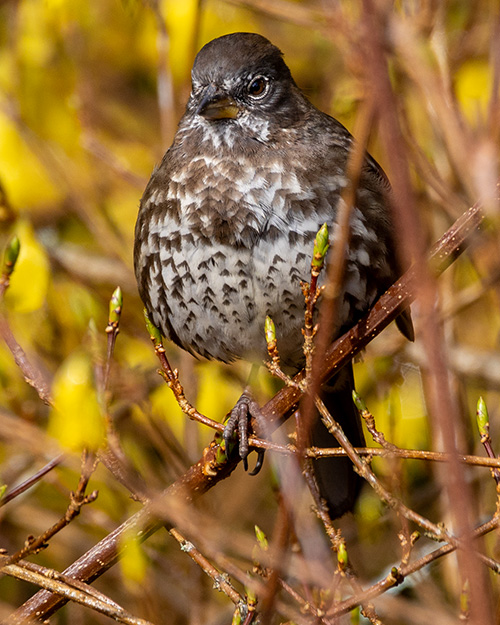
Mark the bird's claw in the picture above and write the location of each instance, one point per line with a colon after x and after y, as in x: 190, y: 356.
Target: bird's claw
x: 246, y: 408
x: 258, y: 464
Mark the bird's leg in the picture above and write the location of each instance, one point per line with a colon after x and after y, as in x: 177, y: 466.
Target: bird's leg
x: 245, y: 409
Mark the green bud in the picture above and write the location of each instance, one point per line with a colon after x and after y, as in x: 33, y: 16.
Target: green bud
x: 10, y: 255
x: 115, y: 306
x: 483, y: 420
x: 220, y: 455
x: 359, y: 402
x: 465, y: 598
x: 321, y: 246
x: 342, y: 558
x: 3, y: 488
x: 396, y: 575
x: 355, y: 616
x: 251, y: 596
x: 261, y: 538
x: 270, y: 331
x: 154, y: 333
x: 236, y: 617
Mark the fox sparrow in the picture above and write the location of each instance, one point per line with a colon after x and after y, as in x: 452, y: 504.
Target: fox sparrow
x: 227, y: 222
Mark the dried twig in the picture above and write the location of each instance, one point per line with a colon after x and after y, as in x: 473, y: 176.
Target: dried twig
x: 31, y: 481
x: 171, y: 377
x: 219, y: 579
x: 69, y: 588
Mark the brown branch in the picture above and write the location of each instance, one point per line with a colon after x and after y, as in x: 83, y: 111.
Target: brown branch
x: 291, y: 13
x: 165, y: 91
x: 208, y: 471
x: 386, y: 309
x: 399, y: 452
x: 441, y: 398
x: 70, y: 588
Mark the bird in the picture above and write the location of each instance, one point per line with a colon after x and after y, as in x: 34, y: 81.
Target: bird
x: 226, y: 226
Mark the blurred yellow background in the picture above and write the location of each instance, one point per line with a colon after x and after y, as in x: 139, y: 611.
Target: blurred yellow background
x: 90, y: 96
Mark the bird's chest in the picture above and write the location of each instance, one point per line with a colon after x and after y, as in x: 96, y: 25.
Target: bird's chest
x: 232, y: 246
x: 233, y: 250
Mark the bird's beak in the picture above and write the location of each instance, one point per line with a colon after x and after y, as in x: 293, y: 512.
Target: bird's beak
x: 217, y: 105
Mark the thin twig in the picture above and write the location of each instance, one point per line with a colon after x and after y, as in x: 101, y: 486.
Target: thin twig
x: 30, y: 481
x: 407, y: 454
x: 164, y: 75
x: 219, y: 579
x: 32, y: 374
x: 171, y: 377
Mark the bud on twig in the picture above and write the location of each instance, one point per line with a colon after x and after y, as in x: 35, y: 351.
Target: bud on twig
x: 154, y: 333
x: 465, y: 599
x: 483, y: 424
x: 270, y: 332
x: 355, y: 616
x: 236, y: 617
x: 483, y: 420
x: 321, y: 246
x: 359, y: 402
x: 251, y: 599
x: 115, y: 307
x: 261, y: 538
x: 112, y: 329
x: 10, y: 256
x: 342, y: 558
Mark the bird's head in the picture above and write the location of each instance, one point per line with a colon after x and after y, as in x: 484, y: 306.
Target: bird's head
x: 242, y: 77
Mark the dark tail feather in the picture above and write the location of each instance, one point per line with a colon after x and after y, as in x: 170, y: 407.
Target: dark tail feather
x: 338, y: 483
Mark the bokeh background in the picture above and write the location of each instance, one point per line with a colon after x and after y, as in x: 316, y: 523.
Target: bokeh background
x: 90, y: 95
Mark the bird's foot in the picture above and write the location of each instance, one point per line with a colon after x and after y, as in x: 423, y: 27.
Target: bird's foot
x: 246, y: 408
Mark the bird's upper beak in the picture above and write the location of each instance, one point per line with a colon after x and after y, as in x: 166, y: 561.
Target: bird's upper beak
x: 215, y: 104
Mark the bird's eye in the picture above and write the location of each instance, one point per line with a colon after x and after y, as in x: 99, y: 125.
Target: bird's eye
x: 258, y: 86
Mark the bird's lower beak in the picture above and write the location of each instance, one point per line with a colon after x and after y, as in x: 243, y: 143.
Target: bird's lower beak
x: 217, y: 105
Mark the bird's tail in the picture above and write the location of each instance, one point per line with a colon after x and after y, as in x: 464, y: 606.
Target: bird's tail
x: 338, y: 483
